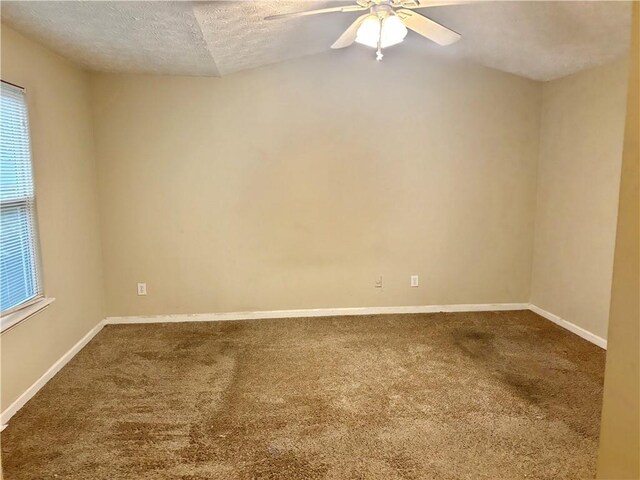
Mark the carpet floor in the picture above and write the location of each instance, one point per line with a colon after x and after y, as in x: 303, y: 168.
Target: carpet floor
x: 495, y: 395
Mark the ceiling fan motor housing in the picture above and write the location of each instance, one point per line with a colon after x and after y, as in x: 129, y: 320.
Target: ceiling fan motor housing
x: 382, y: 10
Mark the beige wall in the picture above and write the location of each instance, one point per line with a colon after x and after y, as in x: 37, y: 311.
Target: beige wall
x: 296, y: 185
x: 582, y: 126
x: 619, y: 438
x: 65, y: 181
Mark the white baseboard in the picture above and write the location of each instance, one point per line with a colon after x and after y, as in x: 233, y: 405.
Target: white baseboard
x: 335, y: 312
x: 573, y: 328
x: 318, y: 312
x: 48, y: 375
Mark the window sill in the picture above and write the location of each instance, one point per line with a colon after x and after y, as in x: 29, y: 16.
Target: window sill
x: 12, y: 319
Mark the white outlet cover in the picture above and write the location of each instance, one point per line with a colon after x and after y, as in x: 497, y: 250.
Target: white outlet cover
x: 415, y: 280
x: 142, y: 289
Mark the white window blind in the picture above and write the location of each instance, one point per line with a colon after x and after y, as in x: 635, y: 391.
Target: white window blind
x: 19, y: 276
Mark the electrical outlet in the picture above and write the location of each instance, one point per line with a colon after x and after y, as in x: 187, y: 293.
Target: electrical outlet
x: 142, y: 289
x: 379, y: 282
x: 415, y: 280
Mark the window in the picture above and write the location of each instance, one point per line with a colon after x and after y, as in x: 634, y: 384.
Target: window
x: 20, y: 284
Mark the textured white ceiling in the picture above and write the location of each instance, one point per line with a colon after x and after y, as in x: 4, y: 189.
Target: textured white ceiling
x: 538, y: 39
x: 239, y: 38
x: 144, y: 36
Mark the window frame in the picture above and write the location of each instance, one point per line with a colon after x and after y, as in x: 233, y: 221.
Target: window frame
x: 32, y: 305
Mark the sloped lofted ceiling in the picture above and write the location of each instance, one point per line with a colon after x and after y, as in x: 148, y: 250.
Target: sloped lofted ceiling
x: 540, y: 40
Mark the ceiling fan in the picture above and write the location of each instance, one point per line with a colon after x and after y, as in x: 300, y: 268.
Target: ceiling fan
x: 386, y: 23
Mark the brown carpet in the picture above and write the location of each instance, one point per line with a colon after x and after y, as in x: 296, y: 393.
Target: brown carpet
x: 498, y: 395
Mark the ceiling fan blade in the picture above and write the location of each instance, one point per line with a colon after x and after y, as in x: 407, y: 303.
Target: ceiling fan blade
x: 349, y: 36
x: 413, y: 4
x: 427, y: 27
x: 348, y: 8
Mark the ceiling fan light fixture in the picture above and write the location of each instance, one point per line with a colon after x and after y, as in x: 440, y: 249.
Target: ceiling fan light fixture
x: 393, y: 31
x: 369, y: 31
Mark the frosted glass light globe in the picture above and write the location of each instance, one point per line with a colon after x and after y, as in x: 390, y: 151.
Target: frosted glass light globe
x: 369, y: 31
x: 393, y: 31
